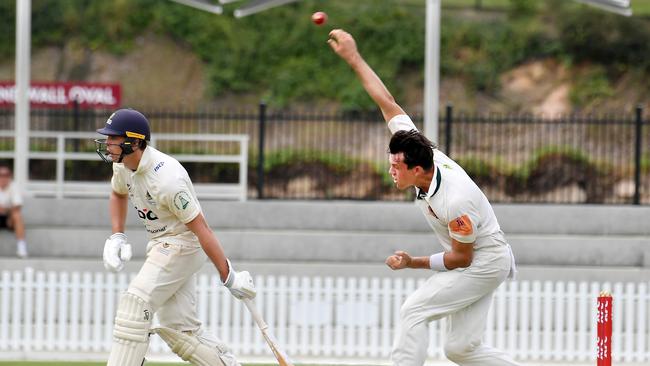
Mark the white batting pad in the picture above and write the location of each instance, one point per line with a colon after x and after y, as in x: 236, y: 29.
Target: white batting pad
x: 190, y: 347
x: 131, y: 331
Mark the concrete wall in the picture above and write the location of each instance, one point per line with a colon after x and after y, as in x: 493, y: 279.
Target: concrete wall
x: 352, y: 232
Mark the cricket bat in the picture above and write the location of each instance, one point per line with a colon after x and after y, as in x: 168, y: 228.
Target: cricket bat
x: 282, y: 358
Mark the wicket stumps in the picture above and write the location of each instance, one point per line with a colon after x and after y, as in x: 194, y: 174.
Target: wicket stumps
x: 604, y: 325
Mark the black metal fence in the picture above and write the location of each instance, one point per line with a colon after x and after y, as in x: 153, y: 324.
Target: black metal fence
x: 335, y: 155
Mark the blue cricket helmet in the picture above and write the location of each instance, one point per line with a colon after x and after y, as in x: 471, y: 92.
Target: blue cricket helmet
x: 127, y: 122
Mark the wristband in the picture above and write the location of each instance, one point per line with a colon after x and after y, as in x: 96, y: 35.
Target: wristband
x: 231, y: 275
x: 437, y: 262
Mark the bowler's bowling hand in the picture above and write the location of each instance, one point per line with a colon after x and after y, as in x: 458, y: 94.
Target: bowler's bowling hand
x: 344, y: 45
x: 399, y: 260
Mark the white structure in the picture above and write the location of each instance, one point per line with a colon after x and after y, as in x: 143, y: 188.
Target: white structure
x: 60, y: 315
x: 62, y: 187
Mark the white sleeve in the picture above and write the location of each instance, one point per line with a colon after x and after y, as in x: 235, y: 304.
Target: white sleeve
x: 463, y: 221
x: 401, y: 122
x: 180, y: 201
x: 118, y: 182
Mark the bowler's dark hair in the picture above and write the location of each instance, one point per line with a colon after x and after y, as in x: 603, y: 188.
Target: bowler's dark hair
x: 417, y: 148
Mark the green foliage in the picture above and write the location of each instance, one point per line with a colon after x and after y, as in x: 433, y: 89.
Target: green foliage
x: 549, y: 168
x: 570, y: 153
x: 283, y: 56
x: 593, y: 35
x: 288, y: 57
x: 645, y: 164
x: 278, y: 159
x: 591, y: 87
x: 7, y: 28
x: 523, y: 8
x: 337, y: 163
x: 480, y: 170
x: 110, y: 25
x: 481, y: 51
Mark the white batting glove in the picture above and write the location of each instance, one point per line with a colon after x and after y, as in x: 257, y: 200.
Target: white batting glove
x: 116, y: 252
x: 240, y: 284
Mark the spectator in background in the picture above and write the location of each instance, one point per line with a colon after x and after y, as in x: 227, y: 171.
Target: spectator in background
x: 10, y: 204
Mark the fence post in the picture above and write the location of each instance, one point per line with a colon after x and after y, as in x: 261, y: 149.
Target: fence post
x: 637, y: 154
x: 448, y: 120
x: 77, y: 124
x: 260, y: 155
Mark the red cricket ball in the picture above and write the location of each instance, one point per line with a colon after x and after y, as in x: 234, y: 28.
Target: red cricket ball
x: 319, y: 18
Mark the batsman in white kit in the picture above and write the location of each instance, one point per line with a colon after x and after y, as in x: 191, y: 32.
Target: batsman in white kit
x: 162, y: 193
x: 476, y: 257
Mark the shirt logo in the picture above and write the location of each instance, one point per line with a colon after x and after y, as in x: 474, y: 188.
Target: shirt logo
x: 157, y: 230
x: 149, y: 199
x: 146, y: 214
x: 182, y: 200
x: 158, y: 166
x: 461, y: 225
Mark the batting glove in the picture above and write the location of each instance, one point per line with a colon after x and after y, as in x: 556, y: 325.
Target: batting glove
x: 240, y: 284
x: 116, y: 252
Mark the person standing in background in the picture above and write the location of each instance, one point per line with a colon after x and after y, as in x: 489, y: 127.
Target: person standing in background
x: 11, y: 217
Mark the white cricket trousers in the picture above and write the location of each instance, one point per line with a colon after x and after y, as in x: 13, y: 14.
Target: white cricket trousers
x: 167, y: 281
x: 463, y: 296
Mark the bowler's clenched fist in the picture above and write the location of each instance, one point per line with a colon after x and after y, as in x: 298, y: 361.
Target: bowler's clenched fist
x: 399, y: 260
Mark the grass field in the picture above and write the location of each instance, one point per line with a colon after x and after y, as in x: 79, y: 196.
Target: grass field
x: 77, y: 363
x: 47, y: 363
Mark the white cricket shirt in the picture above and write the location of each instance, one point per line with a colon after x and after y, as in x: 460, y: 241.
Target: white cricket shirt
x: 454, y: 206
x: 162, y: 194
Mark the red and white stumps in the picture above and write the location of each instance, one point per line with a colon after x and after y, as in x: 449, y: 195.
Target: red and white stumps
x: 604, y: 326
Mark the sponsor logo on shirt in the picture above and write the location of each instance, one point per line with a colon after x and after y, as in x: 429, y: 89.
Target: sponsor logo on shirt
x: 158, y: 166
x: 158, y: 230
x: 461, y: 225
x: 182, y: 200
x: 149, y: 199
x: 146, y: 214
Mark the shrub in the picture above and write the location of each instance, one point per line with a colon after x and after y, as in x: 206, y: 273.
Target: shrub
x: 589, y: 34
x: 591, y: 87
x: 483, y: 173
x: 554, y: 167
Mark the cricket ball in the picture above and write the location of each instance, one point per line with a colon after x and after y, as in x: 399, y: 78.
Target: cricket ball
x: 319, y: 18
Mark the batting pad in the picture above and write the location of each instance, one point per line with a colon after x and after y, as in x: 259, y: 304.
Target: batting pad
x: 131, y: 331
x: 190, y: 348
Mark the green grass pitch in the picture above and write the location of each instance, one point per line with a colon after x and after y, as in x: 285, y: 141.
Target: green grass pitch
x: 48, y: 363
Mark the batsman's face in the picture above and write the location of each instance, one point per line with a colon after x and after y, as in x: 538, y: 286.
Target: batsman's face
x: 113, y: 146
x: 403, y: 177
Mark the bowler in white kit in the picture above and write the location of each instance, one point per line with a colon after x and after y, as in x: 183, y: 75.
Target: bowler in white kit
x: 476, y: 257
x: 180, y: 241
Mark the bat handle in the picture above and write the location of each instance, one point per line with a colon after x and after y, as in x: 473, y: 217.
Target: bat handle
x: 250, y: 304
